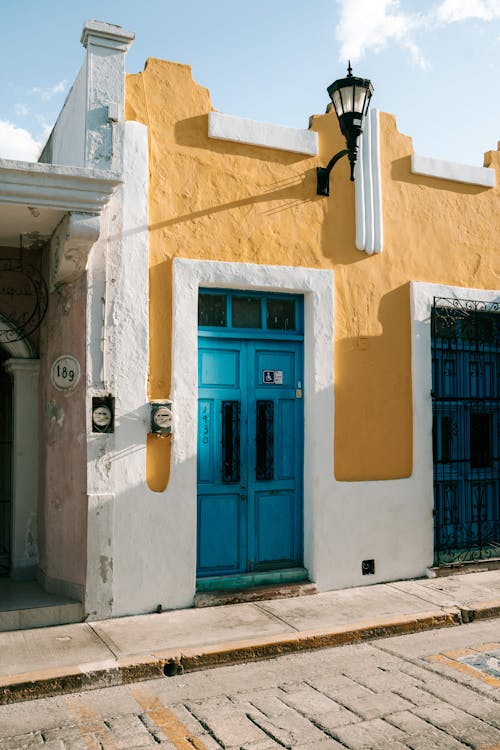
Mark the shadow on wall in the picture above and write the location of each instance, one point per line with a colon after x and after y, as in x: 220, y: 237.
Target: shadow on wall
x: 290, y: 189
x: 373, y: 395
x: 157, y: 469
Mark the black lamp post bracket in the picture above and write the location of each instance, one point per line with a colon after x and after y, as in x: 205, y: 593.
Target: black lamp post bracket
x: 323, y: 173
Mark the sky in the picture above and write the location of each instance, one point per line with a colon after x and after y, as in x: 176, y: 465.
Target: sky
x: 434, y: 64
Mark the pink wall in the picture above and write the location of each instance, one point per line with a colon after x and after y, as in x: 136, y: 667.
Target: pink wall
x: 63, y: 470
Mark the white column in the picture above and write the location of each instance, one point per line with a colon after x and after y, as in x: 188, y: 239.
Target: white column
x: 106, y: 47
x: 24, y: 547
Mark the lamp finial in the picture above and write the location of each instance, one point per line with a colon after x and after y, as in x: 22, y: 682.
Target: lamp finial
x: 349, y: 69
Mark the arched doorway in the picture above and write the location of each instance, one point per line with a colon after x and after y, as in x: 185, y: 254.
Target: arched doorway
x: 18, y: 453
x: 5, y: 464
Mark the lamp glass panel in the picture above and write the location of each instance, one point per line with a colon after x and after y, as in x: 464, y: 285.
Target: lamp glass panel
x: 348, y: 98
x: 359, y: 99
x: 337, y: 103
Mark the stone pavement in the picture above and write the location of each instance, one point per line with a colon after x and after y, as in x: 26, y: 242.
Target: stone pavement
x: 82, y: 656
x: 390, y: 694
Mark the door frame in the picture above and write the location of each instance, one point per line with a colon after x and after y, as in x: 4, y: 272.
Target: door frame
x: 422, y: 300
x: 316, y: 287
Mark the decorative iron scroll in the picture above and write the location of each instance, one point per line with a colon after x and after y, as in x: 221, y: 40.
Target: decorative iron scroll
x: 465, y: 319
x: 466, y: 429
x: 24, y: 298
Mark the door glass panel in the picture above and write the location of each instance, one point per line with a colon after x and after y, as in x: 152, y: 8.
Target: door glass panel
x: 211, y: 310
x: 230, y: 441
x: 246, y: 312
x: 265, y: 440
x: 480, y: 441
x: 281, y: 314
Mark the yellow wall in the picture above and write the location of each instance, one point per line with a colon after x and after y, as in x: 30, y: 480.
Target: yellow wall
x: 216, y: 200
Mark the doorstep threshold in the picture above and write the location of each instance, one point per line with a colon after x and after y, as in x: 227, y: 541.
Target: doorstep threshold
x: 251, y: 587
x: 466, y: 566
x: 257, y: 578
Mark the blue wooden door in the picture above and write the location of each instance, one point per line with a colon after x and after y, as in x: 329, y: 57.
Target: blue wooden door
x: 250, y: 455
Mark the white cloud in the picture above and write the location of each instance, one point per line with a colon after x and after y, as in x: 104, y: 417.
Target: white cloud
x: 17, y: 143
x: 449, y: 11
x: 47, y: 94
x: 373, y: 24
x: 22, y: 110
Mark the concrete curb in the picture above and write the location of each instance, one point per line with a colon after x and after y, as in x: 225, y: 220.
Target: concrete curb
x: 115, y: 672
x: 481, y: 611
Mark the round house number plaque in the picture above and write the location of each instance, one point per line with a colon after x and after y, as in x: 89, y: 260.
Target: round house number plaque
x: 65, y: 372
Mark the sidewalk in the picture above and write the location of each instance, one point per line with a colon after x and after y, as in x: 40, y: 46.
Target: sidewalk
x: 48, y: 661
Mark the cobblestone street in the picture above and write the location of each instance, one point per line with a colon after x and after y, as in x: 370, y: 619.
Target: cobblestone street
x: 439, y: 689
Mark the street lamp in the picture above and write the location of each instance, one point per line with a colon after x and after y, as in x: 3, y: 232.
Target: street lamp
x: 351, y: 99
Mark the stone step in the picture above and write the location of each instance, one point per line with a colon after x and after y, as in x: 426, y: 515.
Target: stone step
x: 25, y: 604
x: 254, y: 594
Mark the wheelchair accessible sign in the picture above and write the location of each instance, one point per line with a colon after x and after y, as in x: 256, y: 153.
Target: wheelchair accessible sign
x: 272, y: 377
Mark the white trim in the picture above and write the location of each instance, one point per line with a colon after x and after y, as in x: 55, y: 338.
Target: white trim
x: 422, y: 298
x: 368, y: 188
x: 317, y: 288
x: 449, y: 170
x: 119, y: 580
x: 61, y: 188
x: 267, y: 135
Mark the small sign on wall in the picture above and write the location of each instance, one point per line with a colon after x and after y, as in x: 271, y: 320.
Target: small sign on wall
x: 272, y: 377
x: 65, y: 373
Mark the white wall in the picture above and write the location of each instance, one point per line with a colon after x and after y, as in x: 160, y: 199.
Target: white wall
x: 68, y: 135
x: 142, y: 544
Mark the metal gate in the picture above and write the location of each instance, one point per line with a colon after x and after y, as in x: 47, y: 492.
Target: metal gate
x: 466, y: 424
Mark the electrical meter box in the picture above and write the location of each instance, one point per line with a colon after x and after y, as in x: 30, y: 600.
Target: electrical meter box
x: 161, y: 417
x: 103, y: 414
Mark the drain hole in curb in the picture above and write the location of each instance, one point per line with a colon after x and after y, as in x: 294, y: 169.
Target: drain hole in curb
x: 170, y: 668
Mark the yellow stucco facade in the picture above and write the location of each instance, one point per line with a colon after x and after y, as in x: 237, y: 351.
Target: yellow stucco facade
x: 219, y: 200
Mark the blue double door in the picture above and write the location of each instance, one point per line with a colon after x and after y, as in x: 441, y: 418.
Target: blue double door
x: 250, y: 455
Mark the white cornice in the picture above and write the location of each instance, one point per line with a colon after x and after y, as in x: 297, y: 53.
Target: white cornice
x: 267, y: 135
x: 450, y: 170
x: 106, y: 35
x: 57, y: 187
